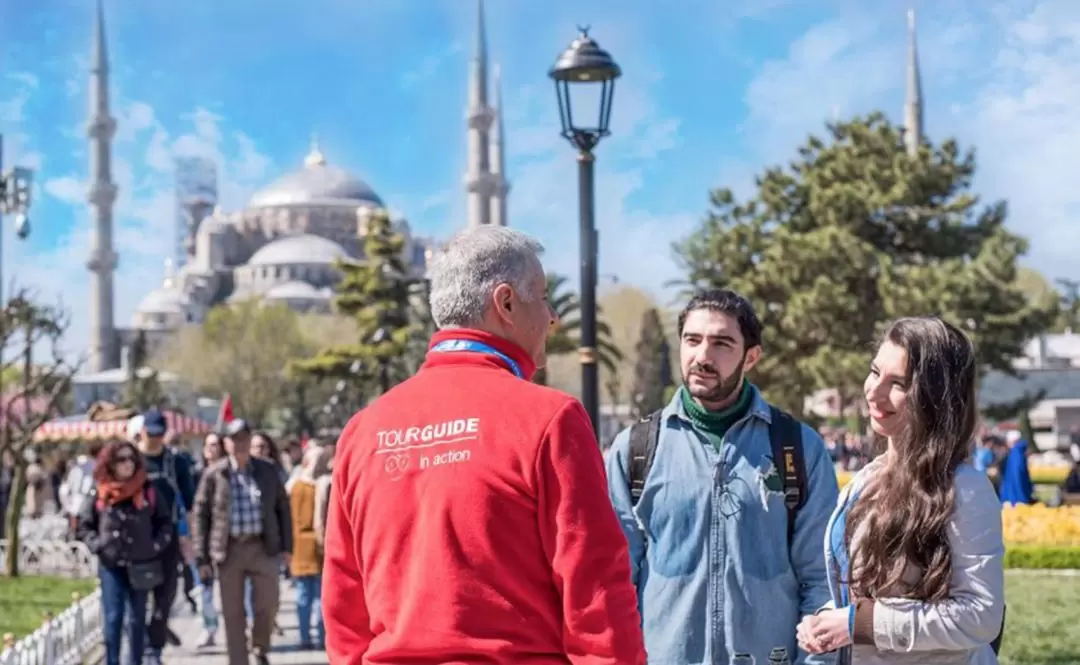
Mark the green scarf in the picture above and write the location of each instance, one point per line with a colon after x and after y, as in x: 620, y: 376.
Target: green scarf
x: 713, y: 425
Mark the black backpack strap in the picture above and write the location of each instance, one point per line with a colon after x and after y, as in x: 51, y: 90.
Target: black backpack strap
x: 785, y: 435
x: 996, y: 644
x: 644, y: 435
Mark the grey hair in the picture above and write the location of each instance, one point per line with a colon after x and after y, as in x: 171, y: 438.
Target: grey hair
x: 466, y: 272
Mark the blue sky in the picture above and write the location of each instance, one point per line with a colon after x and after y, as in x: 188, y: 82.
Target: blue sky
x: 711, y: 93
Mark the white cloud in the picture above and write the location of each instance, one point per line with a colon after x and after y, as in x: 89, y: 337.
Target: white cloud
x: 1024, y: 124
x: 1007, y: 84
x: 430, y: 65
x: 26, y: 78
x: 634, y: 242
x: 68, y: 189
x: 145, y: 213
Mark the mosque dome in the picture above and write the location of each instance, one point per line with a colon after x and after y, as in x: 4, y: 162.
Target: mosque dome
x: 162, y: 301
x: 166, y: 299
x: 298, y: 249
x: 317, y: 184
x: 297, y: 290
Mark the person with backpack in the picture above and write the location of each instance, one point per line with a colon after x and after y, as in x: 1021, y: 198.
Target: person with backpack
x: 723, y: 500
x: 127, y: 528
x: 173, y: 480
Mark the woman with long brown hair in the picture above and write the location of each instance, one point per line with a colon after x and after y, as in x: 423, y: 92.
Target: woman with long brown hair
x: 914, y: 548
x: 125, y: 526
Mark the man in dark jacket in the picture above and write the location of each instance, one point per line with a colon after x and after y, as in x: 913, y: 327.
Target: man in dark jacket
x: 171, y: 476
x: 241, y: 526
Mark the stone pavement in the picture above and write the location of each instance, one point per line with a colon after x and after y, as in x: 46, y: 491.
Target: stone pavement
x: 284, y: 651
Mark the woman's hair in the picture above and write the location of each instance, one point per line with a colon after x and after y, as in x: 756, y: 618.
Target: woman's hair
x: 275, y: 452
x: 316, y: 461
x: 103, y: 470
x: 905, y: 510
x: 217, y: 439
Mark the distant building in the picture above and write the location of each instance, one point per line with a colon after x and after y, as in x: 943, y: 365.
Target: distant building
x: 281, y: 247
x: 1050, y: 364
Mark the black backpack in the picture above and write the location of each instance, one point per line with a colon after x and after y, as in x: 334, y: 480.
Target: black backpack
x: 785, y: 435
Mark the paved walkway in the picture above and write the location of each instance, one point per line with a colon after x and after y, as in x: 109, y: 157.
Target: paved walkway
x: 285, y: 649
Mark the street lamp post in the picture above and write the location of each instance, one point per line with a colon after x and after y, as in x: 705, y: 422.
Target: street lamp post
x: 585, y: 69
x: 14, y: 198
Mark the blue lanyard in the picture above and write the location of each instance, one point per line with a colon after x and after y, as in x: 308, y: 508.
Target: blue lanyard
x: 453, y: 345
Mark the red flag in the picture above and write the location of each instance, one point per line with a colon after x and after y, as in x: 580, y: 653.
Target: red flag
x: 225, y: 415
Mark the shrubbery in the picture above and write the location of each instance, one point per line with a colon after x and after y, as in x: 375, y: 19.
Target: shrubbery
x: 1042, y: 558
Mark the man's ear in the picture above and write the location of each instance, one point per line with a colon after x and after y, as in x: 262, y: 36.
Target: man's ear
x: 503, y: 300
x: 753, y: 355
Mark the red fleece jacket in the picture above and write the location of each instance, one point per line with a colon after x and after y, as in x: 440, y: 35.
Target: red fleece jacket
x: 470, y: 523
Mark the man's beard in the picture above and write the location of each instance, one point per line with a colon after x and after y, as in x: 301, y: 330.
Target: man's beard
x: 723, y: 389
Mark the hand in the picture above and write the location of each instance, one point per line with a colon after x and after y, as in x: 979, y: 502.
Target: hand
x: 187, y: 550
x: 824, y: 632
x: 206, y: 573
x: 287, y: 558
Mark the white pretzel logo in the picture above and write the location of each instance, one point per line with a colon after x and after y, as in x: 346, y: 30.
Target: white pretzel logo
x: 395, y: 465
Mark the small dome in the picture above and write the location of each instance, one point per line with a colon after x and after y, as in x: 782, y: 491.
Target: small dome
x: 317, y: 183
x: 167, y: 299
x: 162, y: 301
x: 298, y: 249
x: 297, y: 290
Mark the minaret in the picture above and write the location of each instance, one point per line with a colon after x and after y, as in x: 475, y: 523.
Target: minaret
x: 913, y: 106
x: 102, y: 195
x: 478, y: 181
x: 498, y: 158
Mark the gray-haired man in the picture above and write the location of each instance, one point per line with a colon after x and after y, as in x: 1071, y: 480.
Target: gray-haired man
x: 469, y: 520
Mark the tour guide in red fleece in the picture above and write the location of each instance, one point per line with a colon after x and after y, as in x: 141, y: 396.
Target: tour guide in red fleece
x: 469, y: 518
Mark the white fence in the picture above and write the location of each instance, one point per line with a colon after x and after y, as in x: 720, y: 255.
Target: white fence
x: 70, y: 636
x: 47, y: 527
x: 68, y: 639
x: 62, y: 558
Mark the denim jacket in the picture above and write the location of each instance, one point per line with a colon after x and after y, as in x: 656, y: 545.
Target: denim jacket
x: 955, y: 631
x: 708, y: 541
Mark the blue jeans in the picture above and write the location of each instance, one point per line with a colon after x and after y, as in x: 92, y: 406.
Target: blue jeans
x: 116, y: 596
x: 206, y: 608
x: 308, y: 598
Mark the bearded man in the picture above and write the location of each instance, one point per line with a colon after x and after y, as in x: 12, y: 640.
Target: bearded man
x: 724, y: 502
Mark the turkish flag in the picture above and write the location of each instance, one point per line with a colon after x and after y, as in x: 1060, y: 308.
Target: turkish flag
x: 225, y: 415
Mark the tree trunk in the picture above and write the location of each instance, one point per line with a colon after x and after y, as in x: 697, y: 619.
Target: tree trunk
x: 14, y: 512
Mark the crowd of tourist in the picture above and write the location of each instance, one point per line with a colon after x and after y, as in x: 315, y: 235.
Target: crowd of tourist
x: 161, y: 522
x: 473, y: 518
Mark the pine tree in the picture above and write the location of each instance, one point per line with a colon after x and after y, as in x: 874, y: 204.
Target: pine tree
x: 375, y: 292
x: 652, y: 368
x: 855, y: 233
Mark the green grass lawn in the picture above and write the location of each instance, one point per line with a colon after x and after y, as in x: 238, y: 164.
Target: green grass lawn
x: 25, y: 600
x: 1042, y: 623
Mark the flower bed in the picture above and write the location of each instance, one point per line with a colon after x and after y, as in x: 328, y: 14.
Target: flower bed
x: 1036, y: 536
x: 1040, y: 526
x: 1040, y: 475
